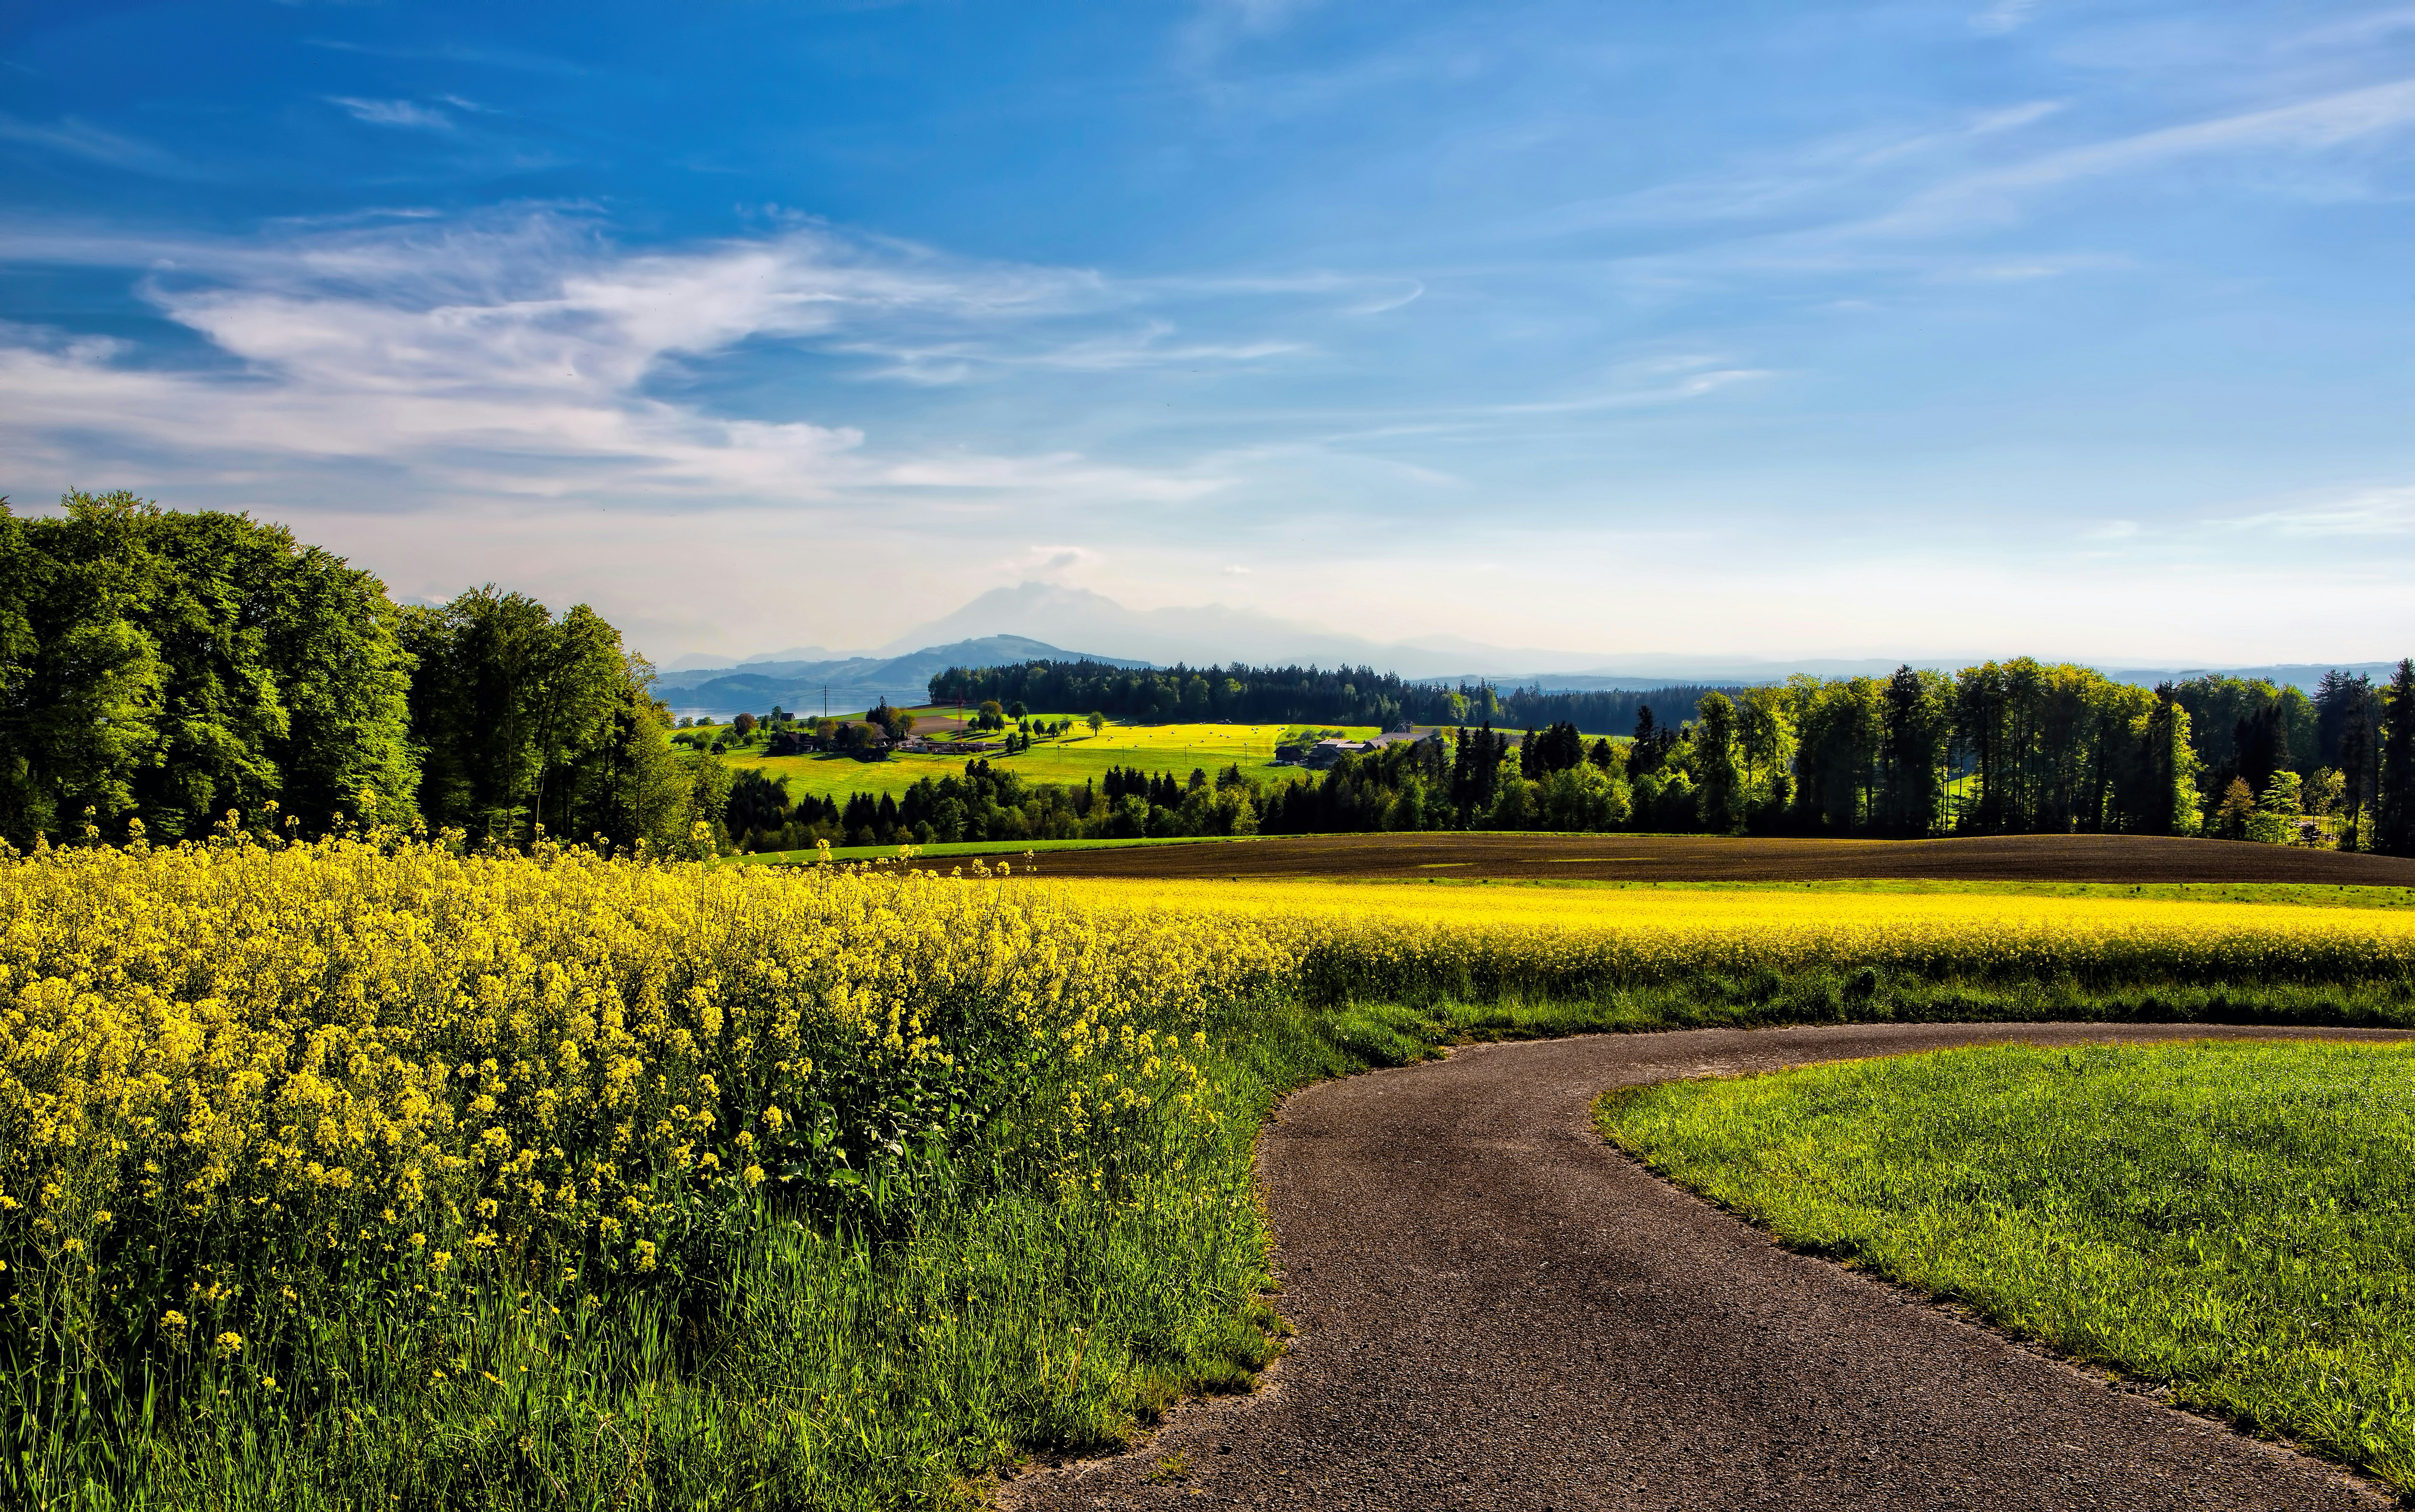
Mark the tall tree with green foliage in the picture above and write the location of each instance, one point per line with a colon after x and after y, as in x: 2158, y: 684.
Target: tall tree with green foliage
x: 526, y: 721
x: 2359, y: 755
x: 1765, y: 749
x: 2394, y: 826
x: 1717, y: 794
x: 1840, y: 728
x: 175, y: 665
x: 1916, y: 728
x: 2157, y: 791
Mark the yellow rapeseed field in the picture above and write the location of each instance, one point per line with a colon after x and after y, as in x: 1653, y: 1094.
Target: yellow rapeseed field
x: 462, y: 1057
x: 1395, y: 936
x: 379, y: 1042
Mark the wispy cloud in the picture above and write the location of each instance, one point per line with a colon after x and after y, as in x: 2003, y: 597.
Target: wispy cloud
x: 2003, y: 16
x: 2369, y: 512
x: 2326, y: 121
x: 2354, y: 31
x: 519, y: 356
x: 476, y: 56
x: 1806, y: 179
x: 79, y: 138
x: 1052, y: 564
x: 393, y: 113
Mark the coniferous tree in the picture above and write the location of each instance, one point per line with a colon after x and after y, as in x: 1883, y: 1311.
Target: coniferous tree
x: 2357, y: 763
x: 1913, y: 731
x: 2394, y: 831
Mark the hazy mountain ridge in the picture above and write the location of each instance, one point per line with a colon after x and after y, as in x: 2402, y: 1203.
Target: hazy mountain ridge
x: 847, y: 684
x: 1209, y: 634
x: 1035, y: 620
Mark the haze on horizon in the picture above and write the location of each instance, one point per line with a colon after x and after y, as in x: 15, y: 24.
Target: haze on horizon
x: 1832, y: 329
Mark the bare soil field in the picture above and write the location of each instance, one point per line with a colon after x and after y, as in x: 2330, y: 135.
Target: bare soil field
x: 1720, y: 858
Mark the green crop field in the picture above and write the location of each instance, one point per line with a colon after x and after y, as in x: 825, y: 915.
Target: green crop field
x: 2235, y: 1221
x: 1075, y: 758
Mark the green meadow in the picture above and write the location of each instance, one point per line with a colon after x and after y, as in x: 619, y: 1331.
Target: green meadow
x: 2232, y: 1221
x: 1075, y: 758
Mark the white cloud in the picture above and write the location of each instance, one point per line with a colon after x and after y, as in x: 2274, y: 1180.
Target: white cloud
x: 2327, y: 121
x: 1052, y: 564
x: 518, y: 357
x: 2370, y: 512
x: 80, y: 138
x: 2003, y: 16
x: 2355, y: 31
x: 393, y: 113
x: 2014, y: 118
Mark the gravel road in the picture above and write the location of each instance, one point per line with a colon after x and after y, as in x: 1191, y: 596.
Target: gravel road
x: 1497, y: 1310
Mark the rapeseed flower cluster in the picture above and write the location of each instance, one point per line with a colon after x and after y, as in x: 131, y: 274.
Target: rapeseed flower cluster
x: 1368, y: 939
x: 217, y: 1053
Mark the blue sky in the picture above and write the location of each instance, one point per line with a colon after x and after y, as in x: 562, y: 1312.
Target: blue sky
x: 1781, y: 330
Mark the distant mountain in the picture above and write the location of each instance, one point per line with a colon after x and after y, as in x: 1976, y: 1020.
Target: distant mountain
x: 1209, y: 634
x: 2300, y: 674
x: 846, y: 684
x: 705, y: 662
x: 1653, y: 672
x: 1032, y: 620
x: 1644, y: 672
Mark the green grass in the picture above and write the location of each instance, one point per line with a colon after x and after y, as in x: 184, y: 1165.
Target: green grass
x: 2233, y: 1221
x: 1074, y: 758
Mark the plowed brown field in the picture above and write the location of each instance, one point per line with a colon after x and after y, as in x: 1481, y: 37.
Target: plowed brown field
x: 1718, y: 859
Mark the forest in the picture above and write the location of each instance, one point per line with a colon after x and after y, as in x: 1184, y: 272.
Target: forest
x: 160, y: 670
x: 2019, y: 746
x: 1299, y: 695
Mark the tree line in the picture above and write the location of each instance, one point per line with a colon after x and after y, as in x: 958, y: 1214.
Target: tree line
x: 1296, y: 695
x: 169, y: 668
x: 2019, y: 746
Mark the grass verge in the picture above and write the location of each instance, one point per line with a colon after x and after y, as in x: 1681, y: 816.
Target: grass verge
x: 2233, y: 1221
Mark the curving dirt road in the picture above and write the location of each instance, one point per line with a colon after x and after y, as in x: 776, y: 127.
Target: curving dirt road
x: 1497, y: 1310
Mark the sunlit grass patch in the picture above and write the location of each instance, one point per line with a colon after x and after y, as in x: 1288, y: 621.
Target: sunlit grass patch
x: 1074, y: 757
x: 2235, y: 1220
